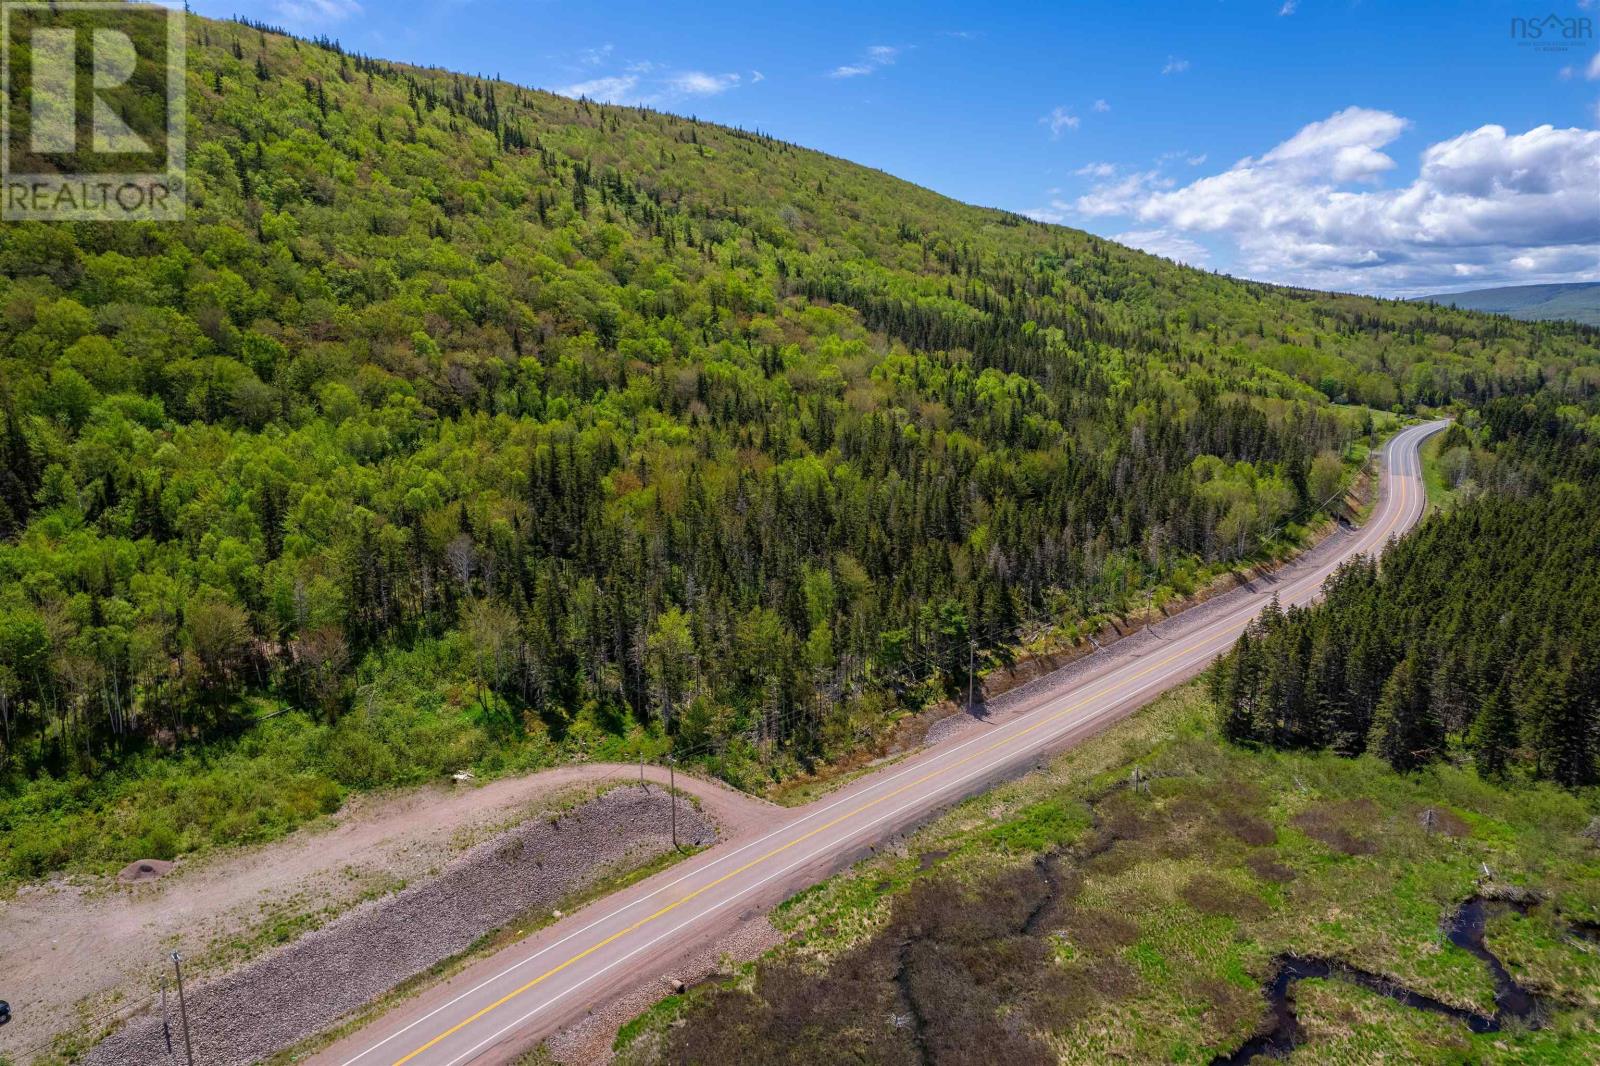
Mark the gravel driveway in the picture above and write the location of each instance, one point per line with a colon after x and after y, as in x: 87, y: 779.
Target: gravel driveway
x: 308, y: 985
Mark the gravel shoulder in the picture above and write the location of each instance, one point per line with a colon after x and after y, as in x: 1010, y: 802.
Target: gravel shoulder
x: 80, y: 953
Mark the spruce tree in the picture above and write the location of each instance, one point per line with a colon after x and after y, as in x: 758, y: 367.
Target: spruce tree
x: 1493, y: 736
x: 1560, y: 722
x: 1406, y: 732
x: 1364, y: 677
x: 1241, y: 681
x: 1326, y: 692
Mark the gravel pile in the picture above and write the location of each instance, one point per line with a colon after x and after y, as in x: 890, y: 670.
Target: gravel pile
x: 310, y: 984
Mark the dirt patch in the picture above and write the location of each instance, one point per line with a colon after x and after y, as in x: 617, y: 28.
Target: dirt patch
x: 1264, y: 866
x: 310, y: 984
x: 1100, y: 932
x: 1249, y: 828
x: 1334, y: 824
x: 82, y: 952
x: 1441, y: 820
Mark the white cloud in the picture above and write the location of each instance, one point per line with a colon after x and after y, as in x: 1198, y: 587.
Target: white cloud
x: 1165, y: 243
x: 316, y: 12
x: 1060, y: 119
x: 697, y: 83
x: 1287, y: 8
x: 1182, y: 153
x: 651, y: 84
x: 1096, y: 170
x: 1175, y: 65
x: 877, y: 57
x: 756, y: 77
x: 618, y: 89
x: 1102, y: 106
x: 1593, y: 70
x: 1485, y: 204
x: 1057, y: 213
x: 1121, y: 197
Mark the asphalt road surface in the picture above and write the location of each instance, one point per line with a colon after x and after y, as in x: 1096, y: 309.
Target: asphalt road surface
x: 538, y: 986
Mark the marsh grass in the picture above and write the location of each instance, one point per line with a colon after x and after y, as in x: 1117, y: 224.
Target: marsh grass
x: 1161, y: 913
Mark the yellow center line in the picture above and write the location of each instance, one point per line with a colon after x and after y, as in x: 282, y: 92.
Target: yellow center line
x: 674, y: 905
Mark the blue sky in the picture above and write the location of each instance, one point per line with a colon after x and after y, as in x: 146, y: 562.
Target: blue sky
x: 1380, y: 147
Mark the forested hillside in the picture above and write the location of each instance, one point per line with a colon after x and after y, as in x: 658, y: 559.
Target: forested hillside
x: 467, y: 425
x: 1573, y: 301
x: 1478, y: 636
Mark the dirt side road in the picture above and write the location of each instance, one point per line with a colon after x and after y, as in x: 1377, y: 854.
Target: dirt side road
x: 78, y: 951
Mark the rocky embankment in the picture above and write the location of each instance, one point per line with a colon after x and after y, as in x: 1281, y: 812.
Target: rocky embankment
x: 308, y: 985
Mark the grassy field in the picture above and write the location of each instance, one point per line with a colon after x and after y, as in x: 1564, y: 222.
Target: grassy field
x: 1073, y: 916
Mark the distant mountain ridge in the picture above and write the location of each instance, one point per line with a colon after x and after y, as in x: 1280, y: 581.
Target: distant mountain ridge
x: 1573, y: 301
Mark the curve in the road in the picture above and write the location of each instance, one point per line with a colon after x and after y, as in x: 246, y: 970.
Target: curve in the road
x: 655, y: 921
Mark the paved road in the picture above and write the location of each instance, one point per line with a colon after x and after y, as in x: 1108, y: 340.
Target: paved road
x: 534, y: 988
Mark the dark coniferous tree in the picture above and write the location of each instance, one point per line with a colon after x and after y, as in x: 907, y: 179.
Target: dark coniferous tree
x: 1493, y: 737
x: 1406, y: 731
x: 1480, y: 628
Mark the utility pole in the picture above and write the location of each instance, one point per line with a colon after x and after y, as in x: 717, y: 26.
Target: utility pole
x: 183, y: 1008
x: 641, y: 766
x: 672, y: 780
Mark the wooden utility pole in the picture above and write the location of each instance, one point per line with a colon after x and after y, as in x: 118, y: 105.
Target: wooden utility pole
x: 183, y: 1008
